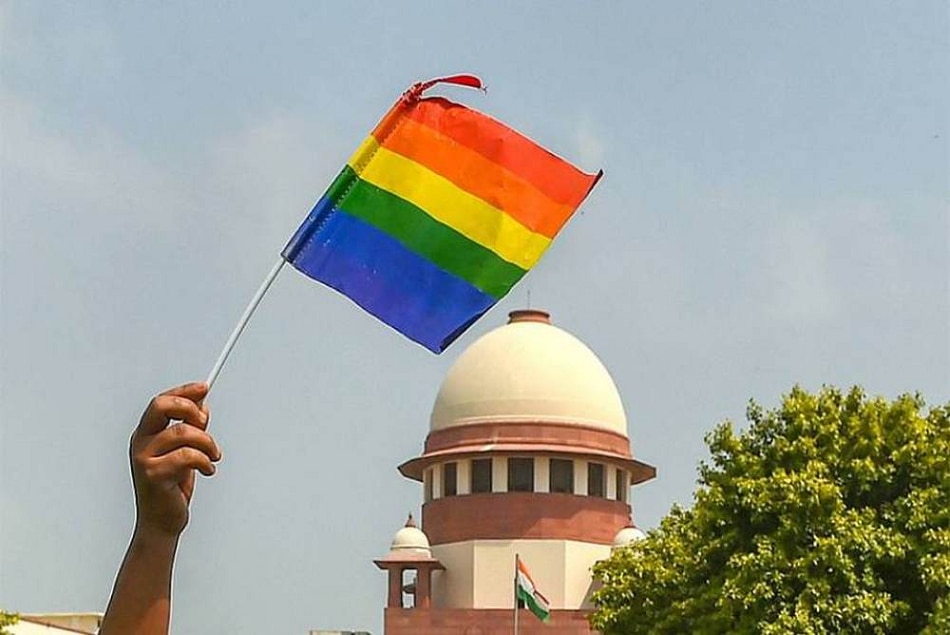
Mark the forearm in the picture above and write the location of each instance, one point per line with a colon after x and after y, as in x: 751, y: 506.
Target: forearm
x: 141, y: 598
x: 169, y: 446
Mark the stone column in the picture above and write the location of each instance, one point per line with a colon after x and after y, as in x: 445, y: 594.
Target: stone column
x: 395, y: 587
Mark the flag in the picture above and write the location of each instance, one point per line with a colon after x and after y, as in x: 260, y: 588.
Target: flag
x: 527, y: 592
x: 436, y: 216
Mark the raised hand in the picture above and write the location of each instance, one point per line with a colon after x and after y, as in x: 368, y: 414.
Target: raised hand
x: 169, y: 444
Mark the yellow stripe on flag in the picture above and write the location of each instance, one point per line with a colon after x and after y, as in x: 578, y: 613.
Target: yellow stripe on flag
x: 450, y: 205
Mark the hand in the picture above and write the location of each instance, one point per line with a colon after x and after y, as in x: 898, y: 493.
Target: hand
x: 168, y: 445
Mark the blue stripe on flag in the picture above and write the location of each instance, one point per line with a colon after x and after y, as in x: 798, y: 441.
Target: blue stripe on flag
x: 401, y: 288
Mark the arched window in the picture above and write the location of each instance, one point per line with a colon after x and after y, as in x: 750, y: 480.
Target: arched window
x: 427, y: 479
x: 621, y: 485
x: 520, y: 474
x: 596, y: 484
x: 561, y: 476
x: 450, y: 479
x: 481, y: 476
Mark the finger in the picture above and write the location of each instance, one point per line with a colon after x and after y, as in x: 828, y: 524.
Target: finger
x: 174, y: 466
x: 202, y: 389
x: 162, y: 408
x: 194, y: 390
x: 181, y: 435
x: 207, y: 415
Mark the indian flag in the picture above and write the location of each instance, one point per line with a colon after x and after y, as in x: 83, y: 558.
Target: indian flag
x: 527, y: 592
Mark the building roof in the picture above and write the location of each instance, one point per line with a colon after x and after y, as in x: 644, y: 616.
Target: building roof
x: 410, y: 538
x: 529, y: 371
x: 57, y: 624
x: 410, y: 545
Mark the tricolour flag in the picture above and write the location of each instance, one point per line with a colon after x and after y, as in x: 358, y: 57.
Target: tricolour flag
x: 527, y: 592
x: 436, y: 216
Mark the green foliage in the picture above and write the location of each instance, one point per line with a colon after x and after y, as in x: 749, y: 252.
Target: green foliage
x: 830, y: 514
x: 7, y: 619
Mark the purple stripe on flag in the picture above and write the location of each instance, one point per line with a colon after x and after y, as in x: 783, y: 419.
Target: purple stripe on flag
x: 401, y: 288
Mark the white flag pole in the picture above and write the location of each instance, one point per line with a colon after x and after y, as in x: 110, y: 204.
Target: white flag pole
x: 239, y: 327
x: 515, y: 589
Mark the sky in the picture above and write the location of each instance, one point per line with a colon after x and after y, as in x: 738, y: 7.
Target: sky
x: 774, y: 212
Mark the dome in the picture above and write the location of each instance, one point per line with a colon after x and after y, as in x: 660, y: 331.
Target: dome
x: 529, y: 371
x: 410, y: 546
x: 410, y: 539
x: 628, y: 535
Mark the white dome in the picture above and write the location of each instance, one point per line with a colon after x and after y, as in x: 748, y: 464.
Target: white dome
x: 628, y: 535
x: 410, y: 538
x: 529, y: 371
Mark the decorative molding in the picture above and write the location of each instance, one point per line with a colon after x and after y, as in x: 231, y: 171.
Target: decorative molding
x: 523, y: 515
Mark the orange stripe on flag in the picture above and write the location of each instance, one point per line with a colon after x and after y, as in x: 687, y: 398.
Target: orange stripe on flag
x: 477, y: 175
x: 524, y: 571
x: 552, y: 175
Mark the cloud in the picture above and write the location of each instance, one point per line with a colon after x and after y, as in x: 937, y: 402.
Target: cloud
x: 591, y: 148
x: 87, y: 175
x: 80, y: 47
x: 265, y: 174
x: 802, y: 289
x: 271, y: 171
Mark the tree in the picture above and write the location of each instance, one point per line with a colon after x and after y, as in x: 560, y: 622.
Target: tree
x: 7, y: 619
x: 829, y: 514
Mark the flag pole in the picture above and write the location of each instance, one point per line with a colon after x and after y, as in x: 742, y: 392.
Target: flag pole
x: 515, y: 589
x: 239, y: 327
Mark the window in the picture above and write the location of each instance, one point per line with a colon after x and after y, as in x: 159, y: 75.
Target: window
x: 481, y: 476
x: 621, y: 481
x: 427, y: 478
x: 450, y: 479
x: 562, y: 476
x: 520, y: 475
x: 595, y: 480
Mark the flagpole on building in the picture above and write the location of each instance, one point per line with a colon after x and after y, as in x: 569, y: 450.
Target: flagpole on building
x: 239, y: 327
x: 515, y: 590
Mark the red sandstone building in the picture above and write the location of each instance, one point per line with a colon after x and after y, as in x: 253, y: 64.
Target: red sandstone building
x: 527, y: 454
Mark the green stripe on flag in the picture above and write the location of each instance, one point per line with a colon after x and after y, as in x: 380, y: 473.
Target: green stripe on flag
x: 419, y: 232
x: 533, y: 605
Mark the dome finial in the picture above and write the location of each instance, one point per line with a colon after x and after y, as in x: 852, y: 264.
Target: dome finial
x: 410, y: 522
x: 529, y: 315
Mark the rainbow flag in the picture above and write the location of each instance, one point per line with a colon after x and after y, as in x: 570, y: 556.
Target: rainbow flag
x: 436, y: 216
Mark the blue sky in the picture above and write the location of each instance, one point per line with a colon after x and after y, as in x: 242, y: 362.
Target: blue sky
x: 774, y: 212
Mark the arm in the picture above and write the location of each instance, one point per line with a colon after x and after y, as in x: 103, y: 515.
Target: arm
x: 164, y: 457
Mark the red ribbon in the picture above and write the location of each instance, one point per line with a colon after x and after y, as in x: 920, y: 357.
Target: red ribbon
x: 415, y: 91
